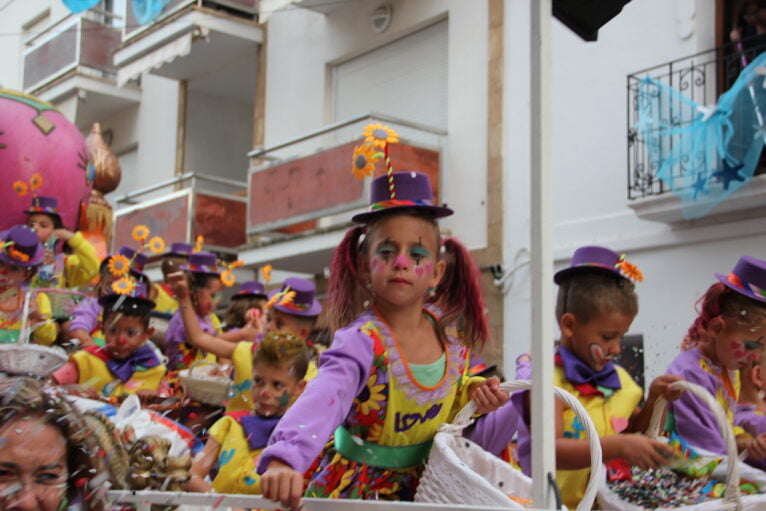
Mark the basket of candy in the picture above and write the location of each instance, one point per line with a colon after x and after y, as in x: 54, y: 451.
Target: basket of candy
x: 205, y: 382
x: 459, y: 471
x: 63, y: 302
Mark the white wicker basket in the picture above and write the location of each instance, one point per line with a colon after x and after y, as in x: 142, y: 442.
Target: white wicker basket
x: 461, y: 472
x: 608, y: 500
x: 30, y: 359
x: 203, y: 387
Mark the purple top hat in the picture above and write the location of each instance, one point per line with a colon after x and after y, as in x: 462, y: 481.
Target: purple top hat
x: 202, y: 262
x: 139, y: 294
x: 24, y: 249
x: 748, y: 278
x: 180, y: 249
x: 250, y: 288
x: 413, y: 190
x: 591, y: 259
x: 137, y: 264
x: 47, y: 205
x: 304, y: 303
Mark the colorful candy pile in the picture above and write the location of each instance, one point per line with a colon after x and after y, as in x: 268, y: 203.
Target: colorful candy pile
x: 661, y: 487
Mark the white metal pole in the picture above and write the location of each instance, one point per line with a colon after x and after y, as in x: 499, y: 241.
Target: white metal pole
x: 541, y: 270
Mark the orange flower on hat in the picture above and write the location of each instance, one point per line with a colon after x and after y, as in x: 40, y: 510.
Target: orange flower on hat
x: 631, y: 271
x: 379, y: 135
x: 288, y: 298
x: 20, y: 187
x: 227, y: 278
x: 140, y: 233
x: 198, y: 244
x: 363, y: 163
x: 36, y: 181
x: 17, y: 255
x: 279, y: 297
x: 157, y: 245
x: 119, y: 265
x: 124, y: 286
x: 266, y: 272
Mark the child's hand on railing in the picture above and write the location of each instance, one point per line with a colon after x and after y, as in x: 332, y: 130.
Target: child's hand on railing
x: 282, y: 484
x: 487, y: 395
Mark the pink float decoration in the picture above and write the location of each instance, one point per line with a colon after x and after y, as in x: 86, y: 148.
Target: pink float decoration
x: 36, y: 138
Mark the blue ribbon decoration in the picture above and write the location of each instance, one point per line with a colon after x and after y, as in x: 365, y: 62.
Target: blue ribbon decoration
x: 703, y: 155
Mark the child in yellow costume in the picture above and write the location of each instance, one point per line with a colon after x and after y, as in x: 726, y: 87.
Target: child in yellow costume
x: 236, y: 441
x: 297, y: 317
x: 21, y: 253
x: 126, y: 364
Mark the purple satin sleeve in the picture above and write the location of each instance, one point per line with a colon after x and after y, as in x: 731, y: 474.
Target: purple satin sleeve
x: 310, y: 422
x: 85, y: 315
x: 694, y: 421
x: 495, y: 430
x: 750, y: 419
x: 174, y: 336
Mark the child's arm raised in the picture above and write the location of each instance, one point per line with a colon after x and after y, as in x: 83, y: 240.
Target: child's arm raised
x: 194, y: 333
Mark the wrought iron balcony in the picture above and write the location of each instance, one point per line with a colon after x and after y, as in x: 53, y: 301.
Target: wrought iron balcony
x: 701, y: 77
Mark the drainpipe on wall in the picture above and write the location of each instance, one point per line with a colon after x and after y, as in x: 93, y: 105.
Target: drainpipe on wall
x: 181, y: 130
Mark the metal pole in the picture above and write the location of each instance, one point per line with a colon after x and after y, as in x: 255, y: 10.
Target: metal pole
x: 543, y: 433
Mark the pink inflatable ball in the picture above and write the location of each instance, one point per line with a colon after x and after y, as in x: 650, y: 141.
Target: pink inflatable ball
x: 36, y: 138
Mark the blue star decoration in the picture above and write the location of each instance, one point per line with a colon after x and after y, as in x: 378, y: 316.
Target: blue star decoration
x: 729, y: 173
x: 699, y: 186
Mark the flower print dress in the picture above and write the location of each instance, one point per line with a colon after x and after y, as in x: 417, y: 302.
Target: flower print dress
x: 385, y: 418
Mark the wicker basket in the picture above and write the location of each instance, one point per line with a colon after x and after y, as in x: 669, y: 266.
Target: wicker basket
x: 63, y: 301
x: 201, y: 386
x: 461, y: 472
x: 30, y: 359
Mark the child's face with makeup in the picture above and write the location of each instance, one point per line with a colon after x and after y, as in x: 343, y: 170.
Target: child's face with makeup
x: 402, y: 260
x: 11, y: 275
x: 124, y: 334
x: 274, y: 387
x: 209, y: 296
x: 737, y: 344
x: 598, y: 341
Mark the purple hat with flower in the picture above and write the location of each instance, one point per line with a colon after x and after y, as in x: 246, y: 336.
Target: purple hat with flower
x: 202, y: 262
x: 138, y: 260
x: 599, y: 260
x: 180, y: 249
x: 21, y: 247
x: 138, y: 295
x: 748, y: 277
x: 410, y: 190
x: 46, y: 205
x: 304, y: 302
x: 250, y: 288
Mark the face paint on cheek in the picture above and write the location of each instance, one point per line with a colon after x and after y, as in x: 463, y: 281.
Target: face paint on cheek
x: 597, y: 352
x: 284, y: 399
x: 377, y: 264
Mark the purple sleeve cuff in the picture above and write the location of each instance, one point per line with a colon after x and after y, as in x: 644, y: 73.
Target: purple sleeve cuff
x: 310, y: 422
x: 495, y: 430
x: 750, y: 419
x: 85, y: 315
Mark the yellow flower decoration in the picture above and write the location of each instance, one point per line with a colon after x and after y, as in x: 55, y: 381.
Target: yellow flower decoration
x: 287, y: 299
x: 379, y: 135
x: 227, y: 278
x: 198, y: 244
x: 140, y: 233
x: 157, y: 245
x: 376, y: 395
x: 36, y: 181
x: 363, y: 163
x: 20, y: 187
x: 119, y: 265
x: 266, y: 272
x: 124, y: 286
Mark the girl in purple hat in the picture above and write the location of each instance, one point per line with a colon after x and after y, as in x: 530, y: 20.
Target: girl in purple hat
x: 76, y: 264
x: 396, y: 370
x: 728, y: 335
x: 21, y: 253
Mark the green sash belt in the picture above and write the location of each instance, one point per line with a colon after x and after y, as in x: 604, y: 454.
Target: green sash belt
x: 380, y: 456
x: 8, y: 336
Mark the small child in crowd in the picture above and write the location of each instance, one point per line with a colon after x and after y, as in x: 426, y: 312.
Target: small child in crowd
x: 126, y: 364
x: 236, y: 440
x: 727, y: 336
x: 751, y: 410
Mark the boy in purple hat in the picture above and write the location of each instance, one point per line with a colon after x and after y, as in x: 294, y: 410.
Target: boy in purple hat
x: 595, y: 307
x: 728, y: 335
x: 84, y: 326
x: 297, y: 317
x: 126, y: 364
x: 21, y: 253
x: 60, y: 269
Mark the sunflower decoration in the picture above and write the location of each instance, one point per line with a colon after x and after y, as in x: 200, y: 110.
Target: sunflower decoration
x: 20, y: 187
x: 124, y: 286
x: 227, y: 275
x: 281, y: 298
x: 36, y: 181
x: 266, y: 272
x: 363, y: 163
x: 119, y: 265
x: 198, y: 244
x: 140, y: 233
x: 157, y: 245
x: 629, y: 270
x: 378, y: 135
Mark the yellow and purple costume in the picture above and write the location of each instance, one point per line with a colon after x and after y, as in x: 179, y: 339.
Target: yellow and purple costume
x: 114, y: 377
